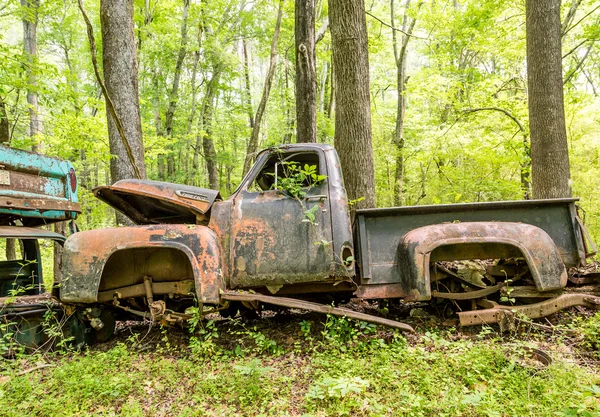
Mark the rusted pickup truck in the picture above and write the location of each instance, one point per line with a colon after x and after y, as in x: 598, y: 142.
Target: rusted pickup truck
x: 287, y: 237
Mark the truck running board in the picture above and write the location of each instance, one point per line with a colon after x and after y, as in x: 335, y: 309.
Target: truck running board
x: 319, y: 308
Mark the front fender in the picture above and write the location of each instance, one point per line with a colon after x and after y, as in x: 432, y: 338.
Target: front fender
x: 480, y: 240
x: 87, y: 253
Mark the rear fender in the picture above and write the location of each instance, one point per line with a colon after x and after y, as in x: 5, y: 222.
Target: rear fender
x: 87, y: 254
x: 478, y: 240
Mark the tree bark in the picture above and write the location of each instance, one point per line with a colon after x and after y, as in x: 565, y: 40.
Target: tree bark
x: 119, y: 58
x: 30, y: 22
x: 306, y: 73
x: 352, y: 139
x: 4, y: 125
x: 253, y: 143
x: 549, y: 149
x: 121, y: 77
x: 174, y: 93
x: 11, y: 249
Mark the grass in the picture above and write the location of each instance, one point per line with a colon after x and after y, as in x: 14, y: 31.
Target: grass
x: 301, y: 366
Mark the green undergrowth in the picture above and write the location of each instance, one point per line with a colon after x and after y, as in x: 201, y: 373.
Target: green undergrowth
x: 305, y: 367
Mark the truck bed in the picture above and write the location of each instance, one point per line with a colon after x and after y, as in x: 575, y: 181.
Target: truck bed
x: 378, y: 232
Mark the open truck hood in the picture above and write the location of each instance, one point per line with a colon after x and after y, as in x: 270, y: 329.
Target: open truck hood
x: 154, y: 202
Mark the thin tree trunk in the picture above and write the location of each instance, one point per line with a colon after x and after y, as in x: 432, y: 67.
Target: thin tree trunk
x: 287, y: 104
x: 306, y: 73
x: 400, y: 56
x: 173, y: 94
x: 119, y: 58
x: 331, y: 104
x: 324, y: 85
x: 248, y: 95
x: 30, y: 21
x: 208, y: 146
x: 253, y: 143
x: 549, y: 149
x: 352, y: 139
x: 4, y: 125
x: 193, y: 82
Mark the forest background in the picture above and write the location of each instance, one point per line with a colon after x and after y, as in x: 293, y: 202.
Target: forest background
x: 465, y: 128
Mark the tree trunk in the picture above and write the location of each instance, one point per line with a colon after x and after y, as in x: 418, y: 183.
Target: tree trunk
x: 352, y: 139
x: 253, y: 143
x: 4, y: 125
x: 194, y: 87
x: 331, y: 104
x: 400, y: 56
x: 58, y: 251
x: 30, y: 22
x: 208, y: 146
x: 121, y: 78
x: 173, y: 94
x: 549, y: 149
x: 11, y: 249
x: 306, y: 73
x: 248, y: 95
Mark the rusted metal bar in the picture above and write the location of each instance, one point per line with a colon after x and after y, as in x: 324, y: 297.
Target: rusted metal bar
x: 498, y: 313
x: 585, y: 279
x: 471, y: 295
x: 39, y: 204
x: 158, y: 288
x: 319, y: 308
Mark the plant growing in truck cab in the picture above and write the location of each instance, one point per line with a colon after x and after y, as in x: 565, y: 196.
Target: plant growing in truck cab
x: 296, y: 181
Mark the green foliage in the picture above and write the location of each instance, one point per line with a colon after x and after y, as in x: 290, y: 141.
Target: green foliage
x: 591, y: 334
x: 377, y: 375
x: 464, y: 56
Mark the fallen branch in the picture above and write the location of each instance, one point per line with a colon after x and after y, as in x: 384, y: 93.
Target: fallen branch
x: 36, y: 368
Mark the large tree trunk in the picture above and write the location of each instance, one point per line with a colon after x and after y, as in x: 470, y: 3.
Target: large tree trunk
x: 253, y: 143
x: 352, y: 139
x: 121, y: 78
x: 173, y: 94
x: 30, y: 22
x: 306, y: 73
x: 549, y: 151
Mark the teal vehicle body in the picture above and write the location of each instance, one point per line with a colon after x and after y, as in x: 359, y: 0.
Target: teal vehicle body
x: 36, y: 189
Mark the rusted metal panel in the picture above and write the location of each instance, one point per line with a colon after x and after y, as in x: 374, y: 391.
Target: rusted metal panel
x: 320, y: 308
x: 149, y: 202
x: 379, y: 231
x: 20, y: 232
x: 87, y: 254
x: 271, y: 243
x: 497, y: 313
x: 477, y: 240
